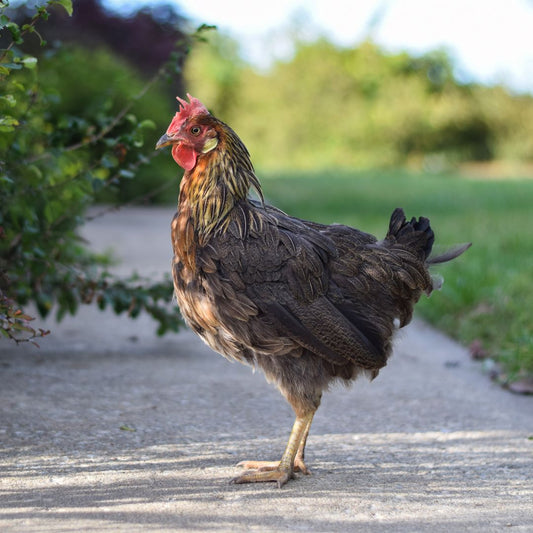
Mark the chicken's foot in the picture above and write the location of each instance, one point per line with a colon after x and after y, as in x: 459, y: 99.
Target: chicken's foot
x: 291, y: 461
x: 265, y: 466
x: 299, y: 465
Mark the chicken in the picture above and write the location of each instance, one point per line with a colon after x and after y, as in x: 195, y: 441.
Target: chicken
x: 309, y: 304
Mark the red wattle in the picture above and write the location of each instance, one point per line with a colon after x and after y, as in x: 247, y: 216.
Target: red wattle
x: 184, y: 156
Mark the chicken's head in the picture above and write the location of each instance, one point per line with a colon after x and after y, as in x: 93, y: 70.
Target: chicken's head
x: 190, y: 133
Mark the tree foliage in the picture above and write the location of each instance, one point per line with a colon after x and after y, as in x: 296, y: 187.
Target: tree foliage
x: 330, y: 106
x: 59, y: 149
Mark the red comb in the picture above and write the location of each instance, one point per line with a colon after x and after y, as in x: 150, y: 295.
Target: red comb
x: 188, y: 109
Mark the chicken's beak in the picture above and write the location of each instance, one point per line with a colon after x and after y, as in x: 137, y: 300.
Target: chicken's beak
x: 164, y: 141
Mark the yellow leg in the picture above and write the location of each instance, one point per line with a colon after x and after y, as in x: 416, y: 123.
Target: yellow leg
x: 300, y: 454
x: 283, y: 471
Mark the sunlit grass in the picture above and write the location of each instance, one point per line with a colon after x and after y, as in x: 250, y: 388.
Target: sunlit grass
x: 488, y: 292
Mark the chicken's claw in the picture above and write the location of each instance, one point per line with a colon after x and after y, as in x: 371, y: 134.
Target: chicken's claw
x: 279, y: 475
x: 265, y: 466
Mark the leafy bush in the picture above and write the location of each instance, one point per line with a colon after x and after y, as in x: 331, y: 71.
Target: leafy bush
x: 112, y: 83
x: 59, y: 149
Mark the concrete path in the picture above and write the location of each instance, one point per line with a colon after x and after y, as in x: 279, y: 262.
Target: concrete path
x: 109, y: 428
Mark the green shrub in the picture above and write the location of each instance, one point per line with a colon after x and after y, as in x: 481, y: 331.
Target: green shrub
x: 70, y: 132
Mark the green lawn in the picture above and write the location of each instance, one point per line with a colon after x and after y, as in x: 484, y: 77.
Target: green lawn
x: 488, y: 292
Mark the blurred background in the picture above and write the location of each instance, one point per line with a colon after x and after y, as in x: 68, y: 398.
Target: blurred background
x: 348, y: 109
x: 429, y: 86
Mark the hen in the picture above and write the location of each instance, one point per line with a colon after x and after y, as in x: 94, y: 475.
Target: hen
x: 309, y: 304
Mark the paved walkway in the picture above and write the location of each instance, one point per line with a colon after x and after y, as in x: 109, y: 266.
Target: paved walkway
x: 109, y: 428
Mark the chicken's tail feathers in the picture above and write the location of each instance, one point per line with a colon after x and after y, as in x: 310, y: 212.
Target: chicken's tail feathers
x: 449, y: 254
x: 418, y: 234
x: 415, y: 234
x: 418, y: 237
x: 436, y: 279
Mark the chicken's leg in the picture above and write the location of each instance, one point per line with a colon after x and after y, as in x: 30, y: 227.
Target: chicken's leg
x: 299, y: 465
x: 281, y: 472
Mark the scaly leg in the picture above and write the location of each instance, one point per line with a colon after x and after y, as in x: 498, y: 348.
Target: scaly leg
x: 299, y: 465
x: 283, y: 471
x: 300, y: 454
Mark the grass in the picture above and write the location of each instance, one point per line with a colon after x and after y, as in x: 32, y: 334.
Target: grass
x: 488, y: 292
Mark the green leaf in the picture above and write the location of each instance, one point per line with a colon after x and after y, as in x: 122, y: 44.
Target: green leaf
x: 21, y: 327
x: 8, y: 123
x: 52, y: 210
x: 12, y: 66
x: 9, y: 100
x: 18, y: 86
x: 128, y: 174
x: 99, y: 174
x: 34, y: 175
x: 67, y: 4
x: 15, y: 32
x: 109, y: 161
x: 147, y: 124
x: 29, y: 62
x: 131, y: 118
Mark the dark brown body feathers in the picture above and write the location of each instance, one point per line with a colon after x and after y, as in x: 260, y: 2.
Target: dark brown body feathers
x: 305, y: 302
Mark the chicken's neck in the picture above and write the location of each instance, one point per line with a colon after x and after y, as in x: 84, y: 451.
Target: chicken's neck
x: 210, y: 192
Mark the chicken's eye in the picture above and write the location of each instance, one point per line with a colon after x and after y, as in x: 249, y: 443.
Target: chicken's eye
x: 195, y: 130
